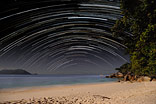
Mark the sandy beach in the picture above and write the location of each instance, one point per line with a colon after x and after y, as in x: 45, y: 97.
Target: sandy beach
x: 99, y: 93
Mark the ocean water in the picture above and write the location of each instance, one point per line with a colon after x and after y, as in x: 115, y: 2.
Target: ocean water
x: 15, y: 81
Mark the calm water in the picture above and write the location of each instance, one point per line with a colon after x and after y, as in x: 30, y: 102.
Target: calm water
x: 14, y: 81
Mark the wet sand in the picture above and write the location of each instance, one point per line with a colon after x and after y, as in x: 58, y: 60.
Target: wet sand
x: 99, y: 93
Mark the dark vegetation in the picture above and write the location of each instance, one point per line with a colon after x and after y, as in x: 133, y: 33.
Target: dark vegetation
x: 137, y: 29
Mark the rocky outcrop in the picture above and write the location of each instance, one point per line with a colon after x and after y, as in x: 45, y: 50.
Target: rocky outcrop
x: 143, y: 78
x: 116, y: 75
x: 131, y: 77
x: 153, y: 78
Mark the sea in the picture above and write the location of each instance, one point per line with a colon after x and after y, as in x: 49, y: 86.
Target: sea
x: 19, y: 81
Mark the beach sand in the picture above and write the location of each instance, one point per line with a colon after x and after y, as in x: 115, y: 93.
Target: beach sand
x: 99, y: 93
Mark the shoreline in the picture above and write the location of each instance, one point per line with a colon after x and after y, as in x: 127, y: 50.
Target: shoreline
x: 119, y: 93
x: 50, y: 86
x: 32, y: 81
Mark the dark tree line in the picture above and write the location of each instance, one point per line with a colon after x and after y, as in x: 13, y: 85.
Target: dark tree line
x: 137, y: 29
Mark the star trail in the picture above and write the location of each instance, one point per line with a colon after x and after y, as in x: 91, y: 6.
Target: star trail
x: 60, y: 36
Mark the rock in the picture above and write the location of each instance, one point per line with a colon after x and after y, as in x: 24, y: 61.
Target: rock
x: 119, y: 75
x: 129, y: 77
x: 143, y: 78
x: 126, y: 78
x: 107, y: 76
x: 116, y: 75
x: 139, y: 79
x: 112, y: 76
x: 153, y: 78
x: 146, y: 78
x: 132, y: 78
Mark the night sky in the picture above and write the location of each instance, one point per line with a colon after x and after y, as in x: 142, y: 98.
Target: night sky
x: 60, y: 36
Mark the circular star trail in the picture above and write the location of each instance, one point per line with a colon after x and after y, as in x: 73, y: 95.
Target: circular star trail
x: 60, y: 36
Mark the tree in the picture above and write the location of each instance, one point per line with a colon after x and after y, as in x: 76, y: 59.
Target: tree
x: 137, y: 30
x: 124, y: 69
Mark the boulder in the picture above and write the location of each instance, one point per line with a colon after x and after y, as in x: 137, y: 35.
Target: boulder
x: 111, y: 76
x: 146, y: 78
x: 119, y: 75
x: 116, y: 75
x: 129, y: 77
x: 126, y: 78
x: 133, y: 78
x: 143, y: 78
x: 107, y: 76
x: 153, y: 78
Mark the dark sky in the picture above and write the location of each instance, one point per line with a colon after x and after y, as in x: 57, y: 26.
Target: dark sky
x: 60, y: 36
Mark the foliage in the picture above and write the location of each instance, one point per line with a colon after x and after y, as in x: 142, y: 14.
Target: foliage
x: 124, y: 69
x: 137, y: 29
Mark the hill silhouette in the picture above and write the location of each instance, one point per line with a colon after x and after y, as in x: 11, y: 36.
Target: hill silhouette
x: 15, y: 71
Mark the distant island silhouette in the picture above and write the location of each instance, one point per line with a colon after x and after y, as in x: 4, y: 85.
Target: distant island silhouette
x: 15, y: 71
